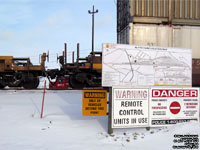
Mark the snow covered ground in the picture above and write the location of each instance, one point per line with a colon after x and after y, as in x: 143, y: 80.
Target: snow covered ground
x: 64, y: 128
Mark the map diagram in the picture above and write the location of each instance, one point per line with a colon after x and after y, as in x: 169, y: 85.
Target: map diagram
x: 146, y: 66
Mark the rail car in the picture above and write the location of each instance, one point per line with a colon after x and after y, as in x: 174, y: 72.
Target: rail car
x: 86, y: 72
x: 20, y: 72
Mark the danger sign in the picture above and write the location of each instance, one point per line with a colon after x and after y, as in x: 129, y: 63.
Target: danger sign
x: 173, y: 105
x: 94, y: 103
x: 175, y: 93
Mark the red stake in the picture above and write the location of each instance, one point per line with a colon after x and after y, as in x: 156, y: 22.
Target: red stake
x: 43, y: 99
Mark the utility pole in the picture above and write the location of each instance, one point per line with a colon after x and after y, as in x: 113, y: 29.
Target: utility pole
x: 93, y: 12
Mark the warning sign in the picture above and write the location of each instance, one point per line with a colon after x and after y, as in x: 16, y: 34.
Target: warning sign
x: 129, y: 107
x: 94, y: 103
x: 173, y: 105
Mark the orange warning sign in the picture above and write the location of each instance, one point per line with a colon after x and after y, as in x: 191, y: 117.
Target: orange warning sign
x: 94, y: 103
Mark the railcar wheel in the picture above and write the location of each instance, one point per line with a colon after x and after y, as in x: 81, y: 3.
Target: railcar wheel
x: 1, y: 86
x: 76, y: 84
x: 31, y: 83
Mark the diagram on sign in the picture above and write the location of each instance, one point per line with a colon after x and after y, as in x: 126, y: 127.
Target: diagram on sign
x: 142, y: 65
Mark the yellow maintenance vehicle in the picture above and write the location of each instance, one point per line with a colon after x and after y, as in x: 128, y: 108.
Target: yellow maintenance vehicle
x: 20, y: 72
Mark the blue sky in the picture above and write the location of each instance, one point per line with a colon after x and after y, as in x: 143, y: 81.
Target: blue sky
x: 31, y: 27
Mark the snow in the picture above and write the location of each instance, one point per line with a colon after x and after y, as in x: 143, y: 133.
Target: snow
x: 63, y: 127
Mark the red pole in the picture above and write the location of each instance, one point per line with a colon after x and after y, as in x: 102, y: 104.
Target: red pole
x: 43, y: 99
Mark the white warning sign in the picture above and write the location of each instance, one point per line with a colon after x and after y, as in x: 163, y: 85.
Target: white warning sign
x: 129, y: 107
x: 173, y: 105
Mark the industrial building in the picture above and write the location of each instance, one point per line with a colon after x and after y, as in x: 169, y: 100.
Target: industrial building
x: 154, y: 19
x: 165, y: 23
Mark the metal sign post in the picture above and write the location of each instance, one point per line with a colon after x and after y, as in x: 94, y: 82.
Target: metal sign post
x: 110, y: 129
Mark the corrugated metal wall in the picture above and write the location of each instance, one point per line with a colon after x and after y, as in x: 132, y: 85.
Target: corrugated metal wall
x: 175, y: 12
x: 165, y: 36
x: 180, y: 9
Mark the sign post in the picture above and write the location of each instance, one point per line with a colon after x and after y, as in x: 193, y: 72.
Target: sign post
x: 110, y: 129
